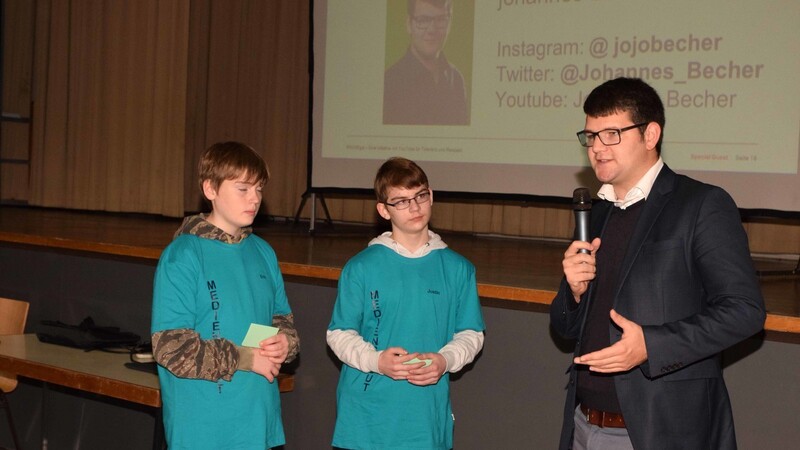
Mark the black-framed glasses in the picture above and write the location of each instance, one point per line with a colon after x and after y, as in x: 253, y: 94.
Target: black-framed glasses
x: 609, y: 136
x: 423, y: 22
x: 420, y: 198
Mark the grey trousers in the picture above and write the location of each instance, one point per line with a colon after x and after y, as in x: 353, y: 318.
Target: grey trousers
x: 592, y: 437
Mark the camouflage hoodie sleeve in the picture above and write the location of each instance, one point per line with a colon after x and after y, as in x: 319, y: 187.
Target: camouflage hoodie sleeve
x: 285, y: 323
x: 185, y: 354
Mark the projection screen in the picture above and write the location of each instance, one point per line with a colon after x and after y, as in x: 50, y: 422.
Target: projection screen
x: 727, y: 71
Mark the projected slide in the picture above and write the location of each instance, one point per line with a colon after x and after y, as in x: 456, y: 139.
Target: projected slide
x: 501, y: 111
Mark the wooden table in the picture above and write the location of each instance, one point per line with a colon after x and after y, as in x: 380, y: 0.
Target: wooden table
x: 97, y: 371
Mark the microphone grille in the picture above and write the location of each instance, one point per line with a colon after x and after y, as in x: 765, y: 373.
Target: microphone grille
x: 581, y: 198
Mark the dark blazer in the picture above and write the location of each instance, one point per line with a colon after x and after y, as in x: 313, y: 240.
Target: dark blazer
x: 688, y: 279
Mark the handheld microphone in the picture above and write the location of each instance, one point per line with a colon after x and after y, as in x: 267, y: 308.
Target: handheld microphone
x: 582, y: 207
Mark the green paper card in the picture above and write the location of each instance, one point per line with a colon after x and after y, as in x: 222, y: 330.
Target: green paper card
x: 417, y: 360
x: 258, y: 333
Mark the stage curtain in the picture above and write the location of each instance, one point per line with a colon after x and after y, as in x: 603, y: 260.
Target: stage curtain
x: 110, y: 105
x: 250, y: 83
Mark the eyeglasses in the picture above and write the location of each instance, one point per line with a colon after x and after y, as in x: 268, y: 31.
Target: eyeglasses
x: 609, y: 136
x: 422, y: 197
x: 422, y: 23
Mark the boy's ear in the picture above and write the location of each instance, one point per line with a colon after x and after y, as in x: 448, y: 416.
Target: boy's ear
x: 208, y: 190
x: 382, y: 210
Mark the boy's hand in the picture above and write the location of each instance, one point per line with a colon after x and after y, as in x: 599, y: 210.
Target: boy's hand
x: 390, y: 363
x: 276, y: 348
x: 424, y: 376
x: 264, y: 365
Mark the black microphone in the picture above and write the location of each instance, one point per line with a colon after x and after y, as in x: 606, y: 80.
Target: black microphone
x: 582, y: 206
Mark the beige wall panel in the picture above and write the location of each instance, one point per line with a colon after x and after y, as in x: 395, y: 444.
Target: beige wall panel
x: 496, y: 218
x: 482, y: 217
x: 774, y: 237
x: 559, y: 222
x: 442, y: 218
x: 352, y: 210
x: 531, y: 221
x: 370, y: 211
x: 512, y: 220
x: 335, y: 205
x: 463, y: 217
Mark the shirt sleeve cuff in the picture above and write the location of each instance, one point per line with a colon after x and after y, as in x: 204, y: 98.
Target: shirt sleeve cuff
x: 245, y: 358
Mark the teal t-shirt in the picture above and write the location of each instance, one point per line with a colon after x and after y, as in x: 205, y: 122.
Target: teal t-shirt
x: 218, y: 290
x: 415, y: 303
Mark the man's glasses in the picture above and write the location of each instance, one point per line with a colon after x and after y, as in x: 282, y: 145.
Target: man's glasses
x: 422, y: 197
x: 609, y: 136
x: 422, y: 23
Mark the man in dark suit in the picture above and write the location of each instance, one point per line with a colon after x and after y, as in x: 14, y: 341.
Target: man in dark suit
x: 667, y: 286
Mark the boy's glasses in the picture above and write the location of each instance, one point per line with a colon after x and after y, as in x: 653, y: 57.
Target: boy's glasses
x: 423, y: 22
x: 422, y: 197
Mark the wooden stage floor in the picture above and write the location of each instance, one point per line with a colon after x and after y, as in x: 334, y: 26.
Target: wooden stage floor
x: 512, y: 273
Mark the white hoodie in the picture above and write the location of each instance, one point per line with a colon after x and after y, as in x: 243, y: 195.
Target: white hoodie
x: 354, y: 351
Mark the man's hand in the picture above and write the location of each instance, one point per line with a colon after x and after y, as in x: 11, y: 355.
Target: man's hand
x: 580, y: 268
x: 276, y: 348
x: 424, y: 376
x: 624, y: 355
x: 390, y: 363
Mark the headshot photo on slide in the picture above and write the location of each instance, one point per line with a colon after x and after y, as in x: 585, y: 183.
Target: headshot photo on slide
x: 428, y: 74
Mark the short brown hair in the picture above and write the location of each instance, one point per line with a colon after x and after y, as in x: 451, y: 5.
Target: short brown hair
x: 229, y: 160
x: 446, y: 4
x: 631, y: 95
x: 398, y: 172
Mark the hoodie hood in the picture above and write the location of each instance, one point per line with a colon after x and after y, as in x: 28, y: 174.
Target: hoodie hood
x: 199, y: 226
x: 435, y: 242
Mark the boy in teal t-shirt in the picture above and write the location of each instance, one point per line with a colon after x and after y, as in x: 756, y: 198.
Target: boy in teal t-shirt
x: 211, y: 283
x: 407, y: 313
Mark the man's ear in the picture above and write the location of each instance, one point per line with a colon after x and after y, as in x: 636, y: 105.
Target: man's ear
x: 651, y: 135
x: 383, y: 211
x: 209, y: 191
